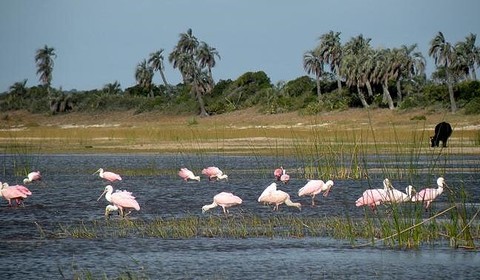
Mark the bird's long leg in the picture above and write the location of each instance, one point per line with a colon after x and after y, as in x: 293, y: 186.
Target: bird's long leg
x: 313, y: 200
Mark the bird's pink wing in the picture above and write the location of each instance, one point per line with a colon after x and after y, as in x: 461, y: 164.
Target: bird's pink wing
x: 310, y: 187
x: 425, y: 194
x: 12, y: 192
x: 125, y: 199
x: 23, y: 189
x: 371, y: 197
x: 111, y: 176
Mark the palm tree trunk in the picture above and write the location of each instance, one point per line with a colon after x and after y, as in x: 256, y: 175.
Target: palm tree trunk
x: 203, y: 112
x: 399, y: 91
x: 319, y: 90
x: 387, y: 96
x: 362, y: 97
x: 339, y: 80
x: 163, y: 78
x: 369, y: 88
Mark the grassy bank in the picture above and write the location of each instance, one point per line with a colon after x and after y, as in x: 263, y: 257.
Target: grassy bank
x: 242, y: 132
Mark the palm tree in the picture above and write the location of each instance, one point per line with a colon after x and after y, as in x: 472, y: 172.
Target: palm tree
x: 112, y: 88
x: 411, y: 64
x: 44, y: 60
x: 201, y: 85
x: 187, y: 43
x: 470, y: 53
x: 19, y: 88
x: 330, y: 49
x: 444, y: 55
x: 205, y: 56
x: 386, y: 68
x: 313, y: 64
x: 156, y: 62
x: 191, y: 57
x: 357, y: 65
x: 144, y: 76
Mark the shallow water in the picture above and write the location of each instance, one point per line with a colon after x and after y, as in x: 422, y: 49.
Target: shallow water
x: 69, y: 192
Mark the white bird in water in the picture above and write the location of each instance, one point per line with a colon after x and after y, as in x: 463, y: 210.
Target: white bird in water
x: 430, y: 194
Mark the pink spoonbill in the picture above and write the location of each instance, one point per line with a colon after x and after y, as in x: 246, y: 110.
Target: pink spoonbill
x: 285, y: 178
x: 277, y: 197
x: 266, y: 192
x: 32, y: 176
x: 428, y: 195
x: 107, y: 175
x: 314, y: 187
x: 372, y: 198
x: 121, y: 199
x: 396, y: 196
x: 225, y: 200
x: 277, y: 173
x: 213, y: 172
x: 17, y: 192
x: 187, y: 174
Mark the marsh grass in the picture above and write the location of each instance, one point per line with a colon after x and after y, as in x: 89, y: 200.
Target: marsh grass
x: 390, y: 228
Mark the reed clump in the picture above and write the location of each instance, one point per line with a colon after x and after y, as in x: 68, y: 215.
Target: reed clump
x: 392, y: 232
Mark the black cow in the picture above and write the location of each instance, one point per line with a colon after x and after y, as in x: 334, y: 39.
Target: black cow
x: 443, y: 130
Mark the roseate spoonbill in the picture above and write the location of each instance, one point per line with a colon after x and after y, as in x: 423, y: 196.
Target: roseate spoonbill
x: 396, y: 196
x: 112, y: 208
x: 32, y: 176
x: 107, y: 175
x: 213, y: 172
x: 372, y: 198
x: 187, y: 174
x: 314, y: 187
x: 121, y: 199
x: 278, y: 197
x: 266, y: 192
x: 17, y: 192
x: 278, y: 173
x: 225, y: 200
x: 430, y: 194
x: 285, y: 177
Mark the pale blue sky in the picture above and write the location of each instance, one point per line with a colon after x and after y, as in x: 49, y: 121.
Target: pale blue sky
x: 98, y: 42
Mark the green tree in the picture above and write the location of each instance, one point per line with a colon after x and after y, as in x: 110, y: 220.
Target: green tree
x: 205, y: 56
x: 191, y: 57
x: 330, y: 49
x: 112, y: 88
x: 470, y: 53
x: 445, y: 56
x: 44, y: 60
x: 357, y: 65
x: 386, y: 68
x: 19, y: 88
x: 313, y: 64
x: 144, y: 76
x: 156, y: 62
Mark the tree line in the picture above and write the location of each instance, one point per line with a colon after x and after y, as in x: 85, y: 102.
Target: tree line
x: 338, y: 76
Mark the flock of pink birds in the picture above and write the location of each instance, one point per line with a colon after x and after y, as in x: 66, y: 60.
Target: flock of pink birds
x: 124, y: 202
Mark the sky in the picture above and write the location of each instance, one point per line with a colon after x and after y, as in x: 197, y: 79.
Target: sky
x: 100, y: 42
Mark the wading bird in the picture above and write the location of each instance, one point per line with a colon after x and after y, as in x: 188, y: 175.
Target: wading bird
x: 285, y: 178
x: 17, y: 192
x: 213, y: 172
x: 314, y: 187
x: 396, y: 196
x: 32, y: 176
x: 372, y: 198
x: 277, y: 197
x: 187, y: 174
x: 277, y: 173
x: 122, y: 199
x: 107, y: 175
x: 225, y: 200
x: 112, y: 208
x: 430, y: 194
x: 266, y: 192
